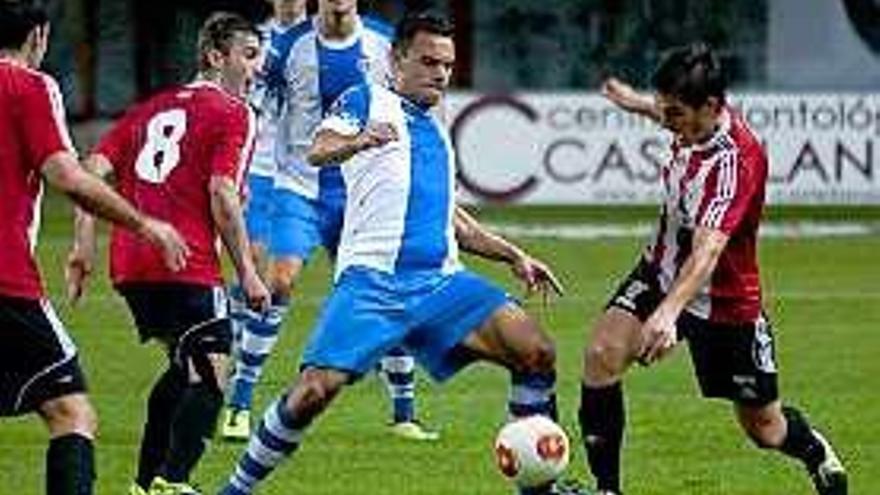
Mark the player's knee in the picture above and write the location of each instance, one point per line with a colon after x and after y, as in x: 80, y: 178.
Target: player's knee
x: 604, y: 359
x: 70, y: 414
x: 313, y: 393
x: 765, y: 432
x: 540, y: 357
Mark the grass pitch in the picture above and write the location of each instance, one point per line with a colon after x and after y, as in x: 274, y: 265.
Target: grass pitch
x: 822, y: 295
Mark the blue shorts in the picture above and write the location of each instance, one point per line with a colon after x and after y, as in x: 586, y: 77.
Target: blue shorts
x: 258, y: 210
x: 369, y: 312
x: 300, y: 224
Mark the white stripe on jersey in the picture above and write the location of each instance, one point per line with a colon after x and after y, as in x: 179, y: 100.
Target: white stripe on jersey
x: 248, y: 148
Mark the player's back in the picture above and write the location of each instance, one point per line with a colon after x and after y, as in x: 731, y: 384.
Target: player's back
x: 165, y: 152
x: 31, y: 129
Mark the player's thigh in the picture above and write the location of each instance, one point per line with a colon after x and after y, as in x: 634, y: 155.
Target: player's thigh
x: 296, y: 226
x: 258, y: 209
x: 733, y: 361
x: 514, y: 339
x: 359, y: 322
x: 615, y: 338
x: 446, y: 317
x: 192, y: 320
x: 38, y: 360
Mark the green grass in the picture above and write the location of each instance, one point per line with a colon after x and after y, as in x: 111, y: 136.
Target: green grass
x: 821, y: 294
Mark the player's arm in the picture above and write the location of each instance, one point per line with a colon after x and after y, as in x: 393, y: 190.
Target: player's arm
x: 94, y: 197
x: 228, y: 164
x: 474, y: 238
x: 628, y: 98
x: 332, y: 147
x: 228, y: 217
x: 659, y: 330
x: 736, y: 178
x: 347, y: 130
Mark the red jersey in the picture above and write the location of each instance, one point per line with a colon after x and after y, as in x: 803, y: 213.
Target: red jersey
x: 718, y: 184
x: 32, y: 129
x: 164, y: 153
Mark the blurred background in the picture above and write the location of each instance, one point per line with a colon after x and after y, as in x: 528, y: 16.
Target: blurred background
x: 526, y: 118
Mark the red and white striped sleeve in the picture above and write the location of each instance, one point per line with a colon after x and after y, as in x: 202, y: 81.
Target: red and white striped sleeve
x: 728, y: 191
x: 43, y: 125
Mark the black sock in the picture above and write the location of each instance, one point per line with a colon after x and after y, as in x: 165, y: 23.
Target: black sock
x: 602, y: 418
x: 193, y: 424
x: 70, y: 466
x: 163, y: 401
x: 800, y: 442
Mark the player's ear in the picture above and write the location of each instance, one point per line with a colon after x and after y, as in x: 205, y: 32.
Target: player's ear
x: 215, y: 58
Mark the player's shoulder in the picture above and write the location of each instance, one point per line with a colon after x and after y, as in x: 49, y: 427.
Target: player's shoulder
x: 743, y: 138
x: 26, y: 80
x: 298, y: 33
x: 378, y: 27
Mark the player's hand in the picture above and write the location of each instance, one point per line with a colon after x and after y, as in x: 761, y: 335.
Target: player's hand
x: 165, y: 237
x: 80, y: 263
x: 377, y: 134
x: 622, y: 94
x: 536, y: 275
x: 658, y: 337
x: 256, y: 293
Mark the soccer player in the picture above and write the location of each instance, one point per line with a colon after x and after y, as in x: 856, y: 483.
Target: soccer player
x: 307, y: 68
x: 181, y: 155
x: 398, y: 277
x: 39, y: 368
x: 698, y: 279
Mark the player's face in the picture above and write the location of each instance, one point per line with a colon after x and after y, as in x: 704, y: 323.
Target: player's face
x: 36, y: 45
x: 692, y: 124
x: 425, y: 70
x: 338, y: 7
x: 289, y: 10
x: 241, y: 63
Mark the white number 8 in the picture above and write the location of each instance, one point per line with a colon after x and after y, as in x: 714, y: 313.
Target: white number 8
x: 161, y: 152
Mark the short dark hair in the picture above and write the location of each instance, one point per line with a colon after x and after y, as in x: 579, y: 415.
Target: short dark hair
x: 691, y: 73
x: 420, y: 22
x: 17, y: 20
x: 217, y: 32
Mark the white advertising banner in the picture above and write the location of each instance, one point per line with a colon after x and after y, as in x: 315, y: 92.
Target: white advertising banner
x: 576, y: 148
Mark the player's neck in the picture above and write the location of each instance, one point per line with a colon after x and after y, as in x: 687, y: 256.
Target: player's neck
x: 15, y: 57
x: 286, y: 21
x: 337, y: 26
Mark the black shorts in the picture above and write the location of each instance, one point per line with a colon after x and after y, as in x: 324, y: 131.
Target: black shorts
x: 190, y: 318
x: 37, y: 357
x: 735, y: 361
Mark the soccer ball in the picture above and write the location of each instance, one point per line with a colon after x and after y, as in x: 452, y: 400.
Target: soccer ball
x: 531, y: 451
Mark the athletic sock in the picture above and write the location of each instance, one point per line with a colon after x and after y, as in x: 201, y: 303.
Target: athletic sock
x: 259, y: 335
x: 191, y: 428
x: 532, y: 393
x: 161, y: 405
x: 602, y: 419
x: 399, y: 370
x: 70, y: 465
x: 800, y: 442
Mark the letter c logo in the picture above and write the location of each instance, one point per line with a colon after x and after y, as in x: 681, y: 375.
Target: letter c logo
x: 483, y: 192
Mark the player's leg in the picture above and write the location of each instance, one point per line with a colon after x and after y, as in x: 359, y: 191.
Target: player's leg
x: 161, y: 404
x: 613, y: 346
x: 70, y: 460
x: 294, y: 234
x: 41, y: 374
x: 467, y: 318
x: 201, y: 351
x: 739, y: 364
x: 350, y: 336
x: 397, y: 369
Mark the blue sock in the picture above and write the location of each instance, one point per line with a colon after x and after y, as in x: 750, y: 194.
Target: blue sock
x: 276, y: 438
x: 532, y: 393
x: 400, y: 377
x: 258, y: 337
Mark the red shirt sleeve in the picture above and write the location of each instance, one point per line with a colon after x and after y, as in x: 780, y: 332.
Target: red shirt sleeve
x: 114, y: 145
x: 730, y: 189
x: 232, y: 154
x: 42, y: 121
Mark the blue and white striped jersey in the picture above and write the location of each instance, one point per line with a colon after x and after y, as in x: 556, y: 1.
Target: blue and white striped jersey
x: 269, y: 103
x: 400, y: 198
x: 307, y: 73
